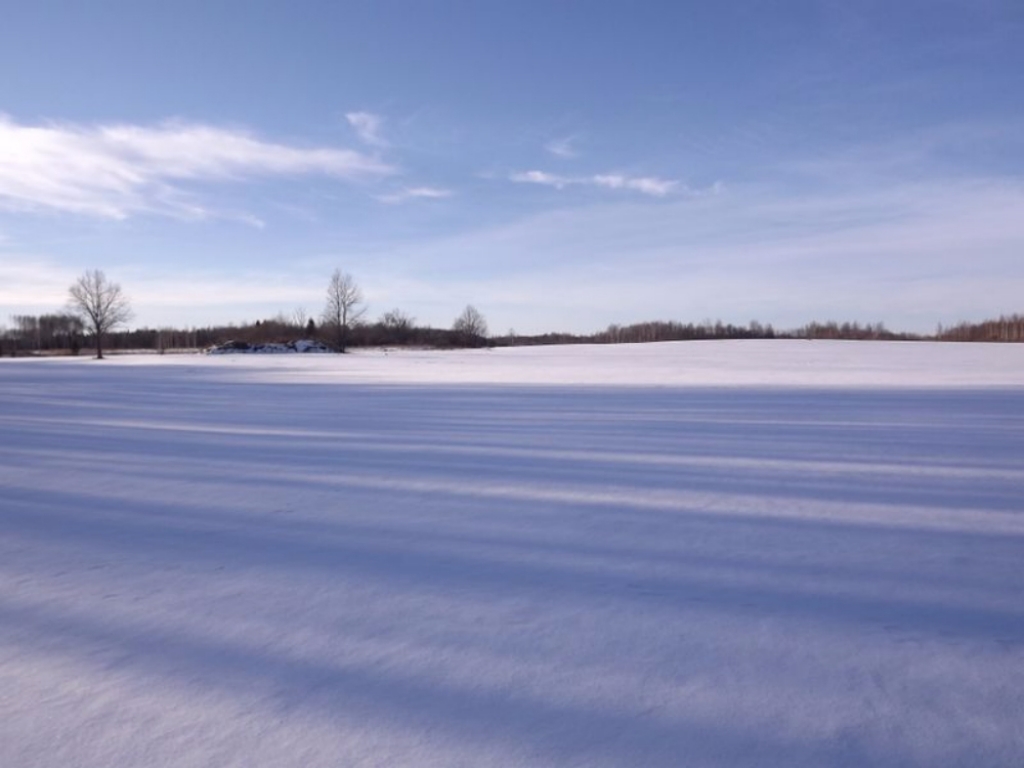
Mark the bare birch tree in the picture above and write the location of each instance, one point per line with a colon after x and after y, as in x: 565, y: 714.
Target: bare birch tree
x: 299, y: 317
x: 101, y: 305
x: 343, y: 308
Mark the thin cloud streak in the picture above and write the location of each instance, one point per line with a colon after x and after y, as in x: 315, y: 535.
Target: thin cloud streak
x: 870, y: 254
x: 414, y: 193
x: 116, y: 171
x: 540, y: 177
x: 367, y: 127
x: 892, y: 254
x: 31, y: 284
x: 648, y: 185
x: 563, y: 148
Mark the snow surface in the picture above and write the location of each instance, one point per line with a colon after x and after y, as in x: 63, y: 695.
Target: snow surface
x: 696, y: 554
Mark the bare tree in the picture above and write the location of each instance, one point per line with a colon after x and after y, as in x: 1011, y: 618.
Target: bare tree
x: 471, y: 325
x: 101, y: 304
x: 395, y: 327
x: 344, y: 306
x: 396, y: 319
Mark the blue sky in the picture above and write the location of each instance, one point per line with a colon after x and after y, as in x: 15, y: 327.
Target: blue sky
x: 560, y: 165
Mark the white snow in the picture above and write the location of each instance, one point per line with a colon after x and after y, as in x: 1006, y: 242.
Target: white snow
x: 696, y: 554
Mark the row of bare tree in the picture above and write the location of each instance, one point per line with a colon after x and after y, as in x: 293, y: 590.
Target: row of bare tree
x: 344, y: 311
x: 98, y: 307
x: 1006, y: 328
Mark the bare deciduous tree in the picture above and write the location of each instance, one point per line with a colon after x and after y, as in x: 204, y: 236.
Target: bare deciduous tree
x: 397, y: 326
x: 397, y: 320
x: 471, y: 325
x: 101, y: 304
x: 343, y: 308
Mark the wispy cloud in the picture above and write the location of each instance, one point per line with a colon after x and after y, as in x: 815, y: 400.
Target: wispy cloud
x: 33, y: 283
x: 114, y: 171
x: 897, y: 253
x: 413, y: 193
x: 30, y: 283
x: 367, y: 127
x: 564, y: 148
x: 894, y: 253
x: 543, y: 178
x: 648, y: 185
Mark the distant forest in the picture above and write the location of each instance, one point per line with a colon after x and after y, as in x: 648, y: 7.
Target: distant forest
x: 65, y: 334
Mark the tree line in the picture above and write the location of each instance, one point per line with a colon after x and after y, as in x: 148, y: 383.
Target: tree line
x: 97, y: 309
x: 708, y: 330
x: 1006, y: 328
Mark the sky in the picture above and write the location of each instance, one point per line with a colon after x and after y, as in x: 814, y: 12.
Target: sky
x: 561, y: 166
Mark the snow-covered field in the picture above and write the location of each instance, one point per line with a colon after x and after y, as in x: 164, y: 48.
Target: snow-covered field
x: 697, y: 554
